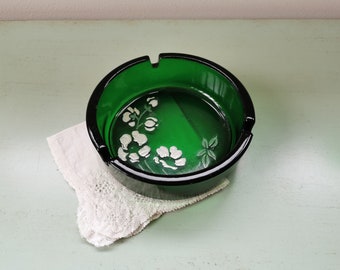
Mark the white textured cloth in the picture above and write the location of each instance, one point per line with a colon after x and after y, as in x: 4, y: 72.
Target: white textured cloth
x: 107, y: 210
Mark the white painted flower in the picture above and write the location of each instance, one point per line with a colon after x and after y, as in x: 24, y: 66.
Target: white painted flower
x: 139, y: 137
x: 176, y: 154
x: 126, y: 140
x: 122, y: 155
x: 162, y: 151
x: 144, y: 151
x: 134, y: 157
x: 130, y: 116
x: 152, y: 101
x: 170, y: 158
x: 151, y: 123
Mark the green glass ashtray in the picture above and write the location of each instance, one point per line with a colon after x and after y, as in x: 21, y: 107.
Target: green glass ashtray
x: 170, y: 129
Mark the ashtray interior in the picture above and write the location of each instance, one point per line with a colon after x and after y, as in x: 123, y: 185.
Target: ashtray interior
x: 170, y: 131
x: 179, y: 117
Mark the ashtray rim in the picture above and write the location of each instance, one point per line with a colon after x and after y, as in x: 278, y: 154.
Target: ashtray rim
x: 181, y: 179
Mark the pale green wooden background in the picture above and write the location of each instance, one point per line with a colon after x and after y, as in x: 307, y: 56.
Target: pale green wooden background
x: 282, y: 210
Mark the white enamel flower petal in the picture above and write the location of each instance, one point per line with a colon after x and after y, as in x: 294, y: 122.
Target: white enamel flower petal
x: 125, y: 140
x: 134, y: 157
x: 139, y: 137
x: 150, y: 129
x: 136, y: 111
x: 180, y: 162
x: 156, y: 159
x: 152, y: 101
x: 126, y: 117
x: 144, y: 151
x: 151, y: 123
x: 175, y: 153
x: 130, y: 109
x: 166, y: 165
x: 132, y: 123
x: 121, y: 154
x: 162, y: 151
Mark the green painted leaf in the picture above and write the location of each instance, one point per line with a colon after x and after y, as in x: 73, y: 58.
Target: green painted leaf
x: 205, y: 143
x: 147, y: 108
x: 213, y: 142
x: 211, y: 154
x: 205, y: 161
x: 202, y: 152
x: 133, y: 116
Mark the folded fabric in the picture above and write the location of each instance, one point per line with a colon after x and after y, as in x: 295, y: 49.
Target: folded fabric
x: 107, y: 210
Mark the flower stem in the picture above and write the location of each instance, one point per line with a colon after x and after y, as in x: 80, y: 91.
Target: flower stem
x: 138, y: 125
x: 147, y: 165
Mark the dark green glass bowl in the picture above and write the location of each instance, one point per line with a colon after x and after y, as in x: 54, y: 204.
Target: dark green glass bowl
x: 172, y: 129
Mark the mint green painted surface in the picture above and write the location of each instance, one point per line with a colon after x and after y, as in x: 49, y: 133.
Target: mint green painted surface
x: 280, y: 212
